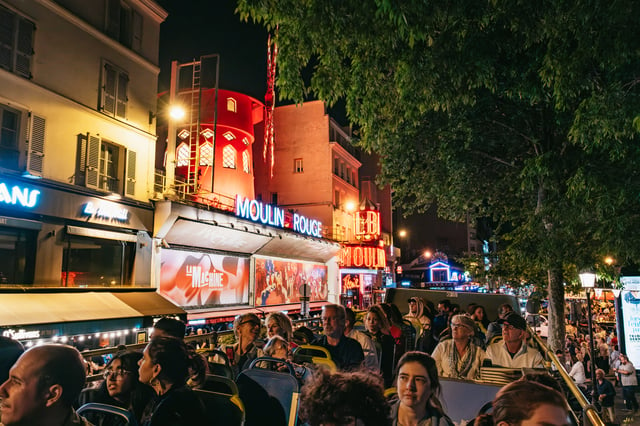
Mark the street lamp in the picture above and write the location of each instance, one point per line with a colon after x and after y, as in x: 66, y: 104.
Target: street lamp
x: 588, y: 281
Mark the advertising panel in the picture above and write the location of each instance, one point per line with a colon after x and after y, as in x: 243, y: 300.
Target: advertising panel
x: 282, y: 281
x: 630, y: 301
x: 196, y: 280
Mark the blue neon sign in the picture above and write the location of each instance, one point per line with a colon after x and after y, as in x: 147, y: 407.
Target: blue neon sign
x: 257, y: 211
x: 22, y: 196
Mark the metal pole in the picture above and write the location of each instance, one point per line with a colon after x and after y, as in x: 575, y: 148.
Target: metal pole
x: 170, y: 167
x: 593, y: 354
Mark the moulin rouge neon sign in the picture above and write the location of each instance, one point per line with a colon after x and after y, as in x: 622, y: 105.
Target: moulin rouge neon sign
x: 257, y: 211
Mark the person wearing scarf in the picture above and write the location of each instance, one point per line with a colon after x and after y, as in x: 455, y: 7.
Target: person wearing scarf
x: 459, y: 357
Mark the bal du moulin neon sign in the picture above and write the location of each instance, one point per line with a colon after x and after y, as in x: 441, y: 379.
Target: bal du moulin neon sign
x: 257, y: 211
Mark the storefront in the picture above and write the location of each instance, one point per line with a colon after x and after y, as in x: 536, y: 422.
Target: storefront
x: 362, y: 276
x: 216, y: 265
x: 58, y: 235
x: 85, y: 319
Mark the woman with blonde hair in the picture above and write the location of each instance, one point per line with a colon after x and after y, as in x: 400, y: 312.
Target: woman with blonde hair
x: 378, y: 327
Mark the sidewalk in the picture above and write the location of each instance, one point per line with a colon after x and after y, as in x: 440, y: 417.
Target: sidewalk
x: 623, y: 416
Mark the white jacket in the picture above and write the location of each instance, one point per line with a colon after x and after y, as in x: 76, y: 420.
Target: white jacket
x: 526, y: 357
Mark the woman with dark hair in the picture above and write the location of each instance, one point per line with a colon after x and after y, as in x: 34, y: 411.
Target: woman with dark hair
x: 524, y: 403
x: 165, y: 366
x: 120, y: 388
x: 479, y: 315
x: 418, y: 392
x: 377, y: 326
x: 344, y: 398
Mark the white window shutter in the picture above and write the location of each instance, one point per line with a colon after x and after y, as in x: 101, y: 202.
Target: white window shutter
x: 130, y: 184
x: 35, y: 151
x: 109, y: 84
x: 93, y: 162
x: 121, y: 95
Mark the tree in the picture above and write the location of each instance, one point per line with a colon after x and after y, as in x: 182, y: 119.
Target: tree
x: 519, y: 111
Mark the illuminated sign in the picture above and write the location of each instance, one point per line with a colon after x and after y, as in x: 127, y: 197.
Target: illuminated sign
x: 257, y: 211
x: 24, y: 197
x: 363, y: 257
x: 21, y: 334
x: 106, y: 211
x: 367, y: 225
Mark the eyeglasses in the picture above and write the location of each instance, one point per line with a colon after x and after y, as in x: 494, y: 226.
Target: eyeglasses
x: 115, y: 374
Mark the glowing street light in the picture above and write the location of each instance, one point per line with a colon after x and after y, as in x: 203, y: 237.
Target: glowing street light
x: 402, y: 233
x: 176, y: 112
x: 427, y: 254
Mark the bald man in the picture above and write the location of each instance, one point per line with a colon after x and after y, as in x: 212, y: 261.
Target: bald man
x: 42, y: 387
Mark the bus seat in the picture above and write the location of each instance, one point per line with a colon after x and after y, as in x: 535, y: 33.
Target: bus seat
x: 220, y: 384
x: 270, y: 397
x: 305, y: 353
x: 222, y: 409
x: 475, y: 396
x: 97, y: 413
x: 324, y: 363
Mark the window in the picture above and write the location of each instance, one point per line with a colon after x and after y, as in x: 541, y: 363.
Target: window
x: 114, y: 91
x: 17, y: 255
x: 229, y: 157
x: 336, y: 166
x: 9, y: 152
x: 108, y: 170
x: 97, y: 262
x: 16, y: 42
x: 124, y: 24
x: 12, y: 128
x: 336, y: 200
x: 229, y: 136
x: 231, y: 105
x: 354, y: 181
x: 274, y: 198
x: 107, y: 166
x: 246, y: 162
x: 206, y: 154
x: 297, y: 165
x: 182, y: 155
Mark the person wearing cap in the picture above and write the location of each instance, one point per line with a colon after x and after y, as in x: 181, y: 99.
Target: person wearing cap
x: 459, y: 357
x: 512, y: 351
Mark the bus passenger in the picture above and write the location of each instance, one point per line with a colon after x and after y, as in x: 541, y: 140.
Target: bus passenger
x: 512, y: 351
x: 246, y: 328
x: 377, y: 326
x: 526, y: 403
x: 418, y: 392
x: 165, y: 365
x: 345, y: 352
x: 42, y: 387
x: 459, y: 357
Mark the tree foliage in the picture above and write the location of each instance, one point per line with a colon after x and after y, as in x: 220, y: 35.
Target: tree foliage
x: 523, y: 112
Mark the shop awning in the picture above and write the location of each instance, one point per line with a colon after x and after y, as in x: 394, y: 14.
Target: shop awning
x: 188, y: 233
x: 21, y: 309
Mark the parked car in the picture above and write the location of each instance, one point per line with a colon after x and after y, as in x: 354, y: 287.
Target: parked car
x: 538, y: 323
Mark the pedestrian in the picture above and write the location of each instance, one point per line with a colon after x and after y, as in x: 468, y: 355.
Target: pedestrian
x: 606, y: 394
x: 629, y: 382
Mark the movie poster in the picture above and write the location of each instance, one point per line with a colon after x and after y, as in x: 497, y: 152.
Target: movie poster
x: 630, y: 303
x: 197, y: 280
x: 280, y: 281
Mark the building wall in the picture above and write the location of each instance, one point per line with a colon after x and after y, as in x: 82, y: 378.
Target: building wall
x: 302, y: 132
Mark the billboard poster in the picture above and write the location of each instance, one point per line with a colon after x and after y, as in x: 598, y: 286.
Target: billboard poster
x: 630, y: 301
x: 282, y: 281
x: 196, y: 280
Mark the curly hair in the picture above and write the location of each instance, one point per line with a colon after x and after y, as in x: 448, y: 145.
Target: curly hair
x: 335, y: 398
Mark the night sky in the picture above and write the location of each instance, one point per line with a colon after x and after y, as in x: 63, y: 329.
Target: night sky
x: 202, y: 27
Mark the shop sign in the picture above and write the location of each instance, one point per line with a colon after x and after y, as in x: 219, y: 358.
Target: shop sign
x: 21, y: 334
x: 367, y: 225
x: 257, y: 211
x: 106, y: 211
x: 21, y: 196
x: 363, y: 257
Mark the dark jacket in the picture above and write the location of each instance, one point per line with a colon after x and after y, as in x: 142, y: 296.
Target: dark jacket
x: 178, y: 407
x: 347, y: 354
x: 607, y: 389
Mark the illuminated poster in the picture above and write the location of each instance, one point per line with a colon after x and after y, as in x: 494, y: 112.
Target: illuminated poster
x: 279, y: 281
x: 194, y: 280
x: 631, y: 323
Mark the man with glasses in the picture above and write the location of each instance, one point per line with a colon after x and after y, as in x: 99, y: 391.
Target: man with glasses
x: 512, y: 351
x: 345, y: 352
x: 248, y: 347
x: 495, y: 328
